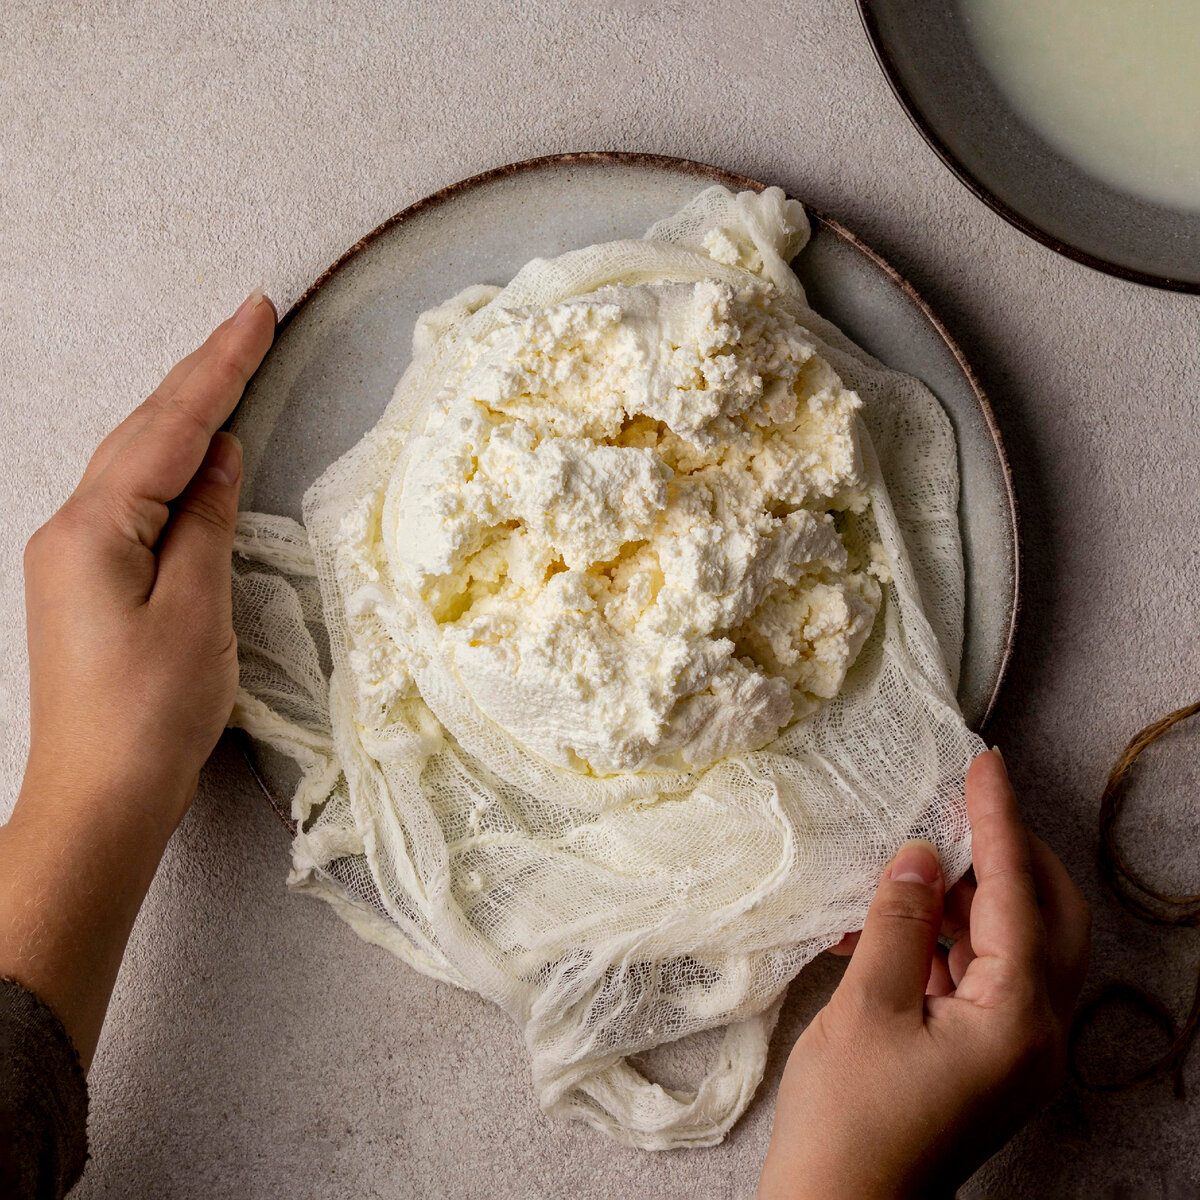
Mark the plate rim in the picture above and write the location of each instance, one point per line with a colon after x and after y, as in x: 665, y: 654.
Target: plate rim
x: 981, y: 191
x: 739, y: 182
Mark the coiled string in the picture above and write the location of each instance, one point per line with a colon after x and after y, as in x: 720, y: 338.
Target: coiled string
x: 1147, y: 904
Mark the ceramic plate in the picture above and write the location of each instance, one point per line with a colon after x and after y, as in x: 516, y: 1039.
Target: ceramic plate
x: 928, y: 56
x: 342, y: 347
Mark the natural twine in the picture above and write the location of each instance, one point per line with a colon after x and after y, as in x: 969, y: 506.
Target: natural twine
x: 1147, y: 904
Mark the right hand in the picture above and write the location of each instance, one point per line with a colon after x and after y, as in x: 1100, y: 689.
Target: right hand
x: 923, y: 1064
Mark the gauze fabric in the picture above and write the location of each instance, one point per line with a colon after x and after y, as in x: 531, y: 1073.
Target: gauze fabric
x: 609, y: 915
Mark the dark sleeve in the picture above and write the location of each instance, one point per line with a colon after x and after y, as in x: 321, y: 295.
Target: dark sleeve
x: 43, y: 1100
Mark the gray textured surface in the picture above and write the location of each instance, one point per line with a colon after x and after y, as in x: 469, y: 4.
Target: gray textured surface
x: 160, y: 160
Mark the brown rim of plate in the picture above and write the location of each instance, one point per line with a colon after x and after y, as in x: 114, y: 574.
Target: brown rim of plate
x: 926, y: 129
x: 738, y: 182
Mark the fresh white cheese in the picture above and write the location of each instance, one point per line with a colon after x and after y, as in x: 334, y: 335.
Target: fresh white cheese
x: 620, y: 512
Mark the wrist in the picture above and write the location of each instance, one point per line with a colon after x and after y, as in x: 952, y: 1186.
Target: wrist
x: 831, y: 1142
x: 112, y: 791
x: 828, y: 1176
x: 76, y: 859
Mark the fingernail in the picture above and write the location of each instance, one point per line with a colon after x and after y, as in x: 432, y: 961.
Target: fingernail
x: 996, y: 752
x: 916, y: 862
x: 248, y: 306
x: 223, y: 462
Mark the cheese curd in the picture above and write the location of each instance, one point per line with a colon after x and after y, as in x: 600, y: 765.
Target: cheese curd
x: 622, y: 514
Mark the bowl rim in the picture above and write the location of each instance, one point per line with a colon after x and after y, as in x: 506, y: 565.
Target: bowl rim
x: 928, y: 131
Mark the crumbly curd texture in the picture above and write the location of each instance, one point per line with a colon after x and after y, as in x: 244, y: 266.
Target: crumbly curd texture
x: 621, y: 512
x: 620, y: 655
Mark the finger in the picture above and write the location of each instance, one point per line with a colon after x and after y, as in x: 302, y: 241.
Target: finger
x: 960, y: 957
x: 154, y: 466
x: 939, y: 982
x: 112, y: 444
x: 1005, y: 921
x: 956, y: 913
x: 891, y: 963
x: 956, y: 919
x: 1068, y: 922
x: 194, y: 561
x: 845, y: 947
x: 956, y: 926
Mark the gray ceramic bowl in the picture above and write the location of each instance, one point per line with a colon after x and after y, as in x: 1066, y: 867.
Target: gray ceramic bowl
x: 926, y: 53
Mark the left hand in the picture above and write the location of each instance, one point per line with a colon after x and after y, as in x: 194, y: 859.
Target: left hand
x: 132, y: 658
x: 133, y: 670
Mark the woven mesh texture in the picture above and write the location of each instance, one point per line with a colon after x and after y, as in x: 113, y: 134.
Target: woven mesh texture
x: 608, y: 915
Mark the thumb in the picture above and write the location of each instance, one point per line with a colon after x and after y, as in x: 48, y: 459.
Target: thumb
x: 196, y: 549
x: 891, y: 962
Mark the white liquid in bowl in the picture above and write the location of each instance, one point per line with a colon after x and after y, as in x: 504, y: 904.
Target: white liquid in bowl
x: 1114, y: 85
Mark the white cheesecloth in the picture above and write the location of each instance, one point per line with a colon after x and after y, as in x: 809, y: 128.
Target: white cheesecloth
x: 608, y: 915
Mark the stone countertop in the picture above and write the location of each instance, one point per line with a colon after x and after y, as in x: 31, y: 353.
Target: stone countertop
x: 161, y: 159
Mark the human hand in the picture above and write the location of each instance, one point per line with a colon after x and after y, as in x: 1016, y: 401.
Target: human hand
x: 132, y: 657
x: 924, y: 1063
x: 132, y: 672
